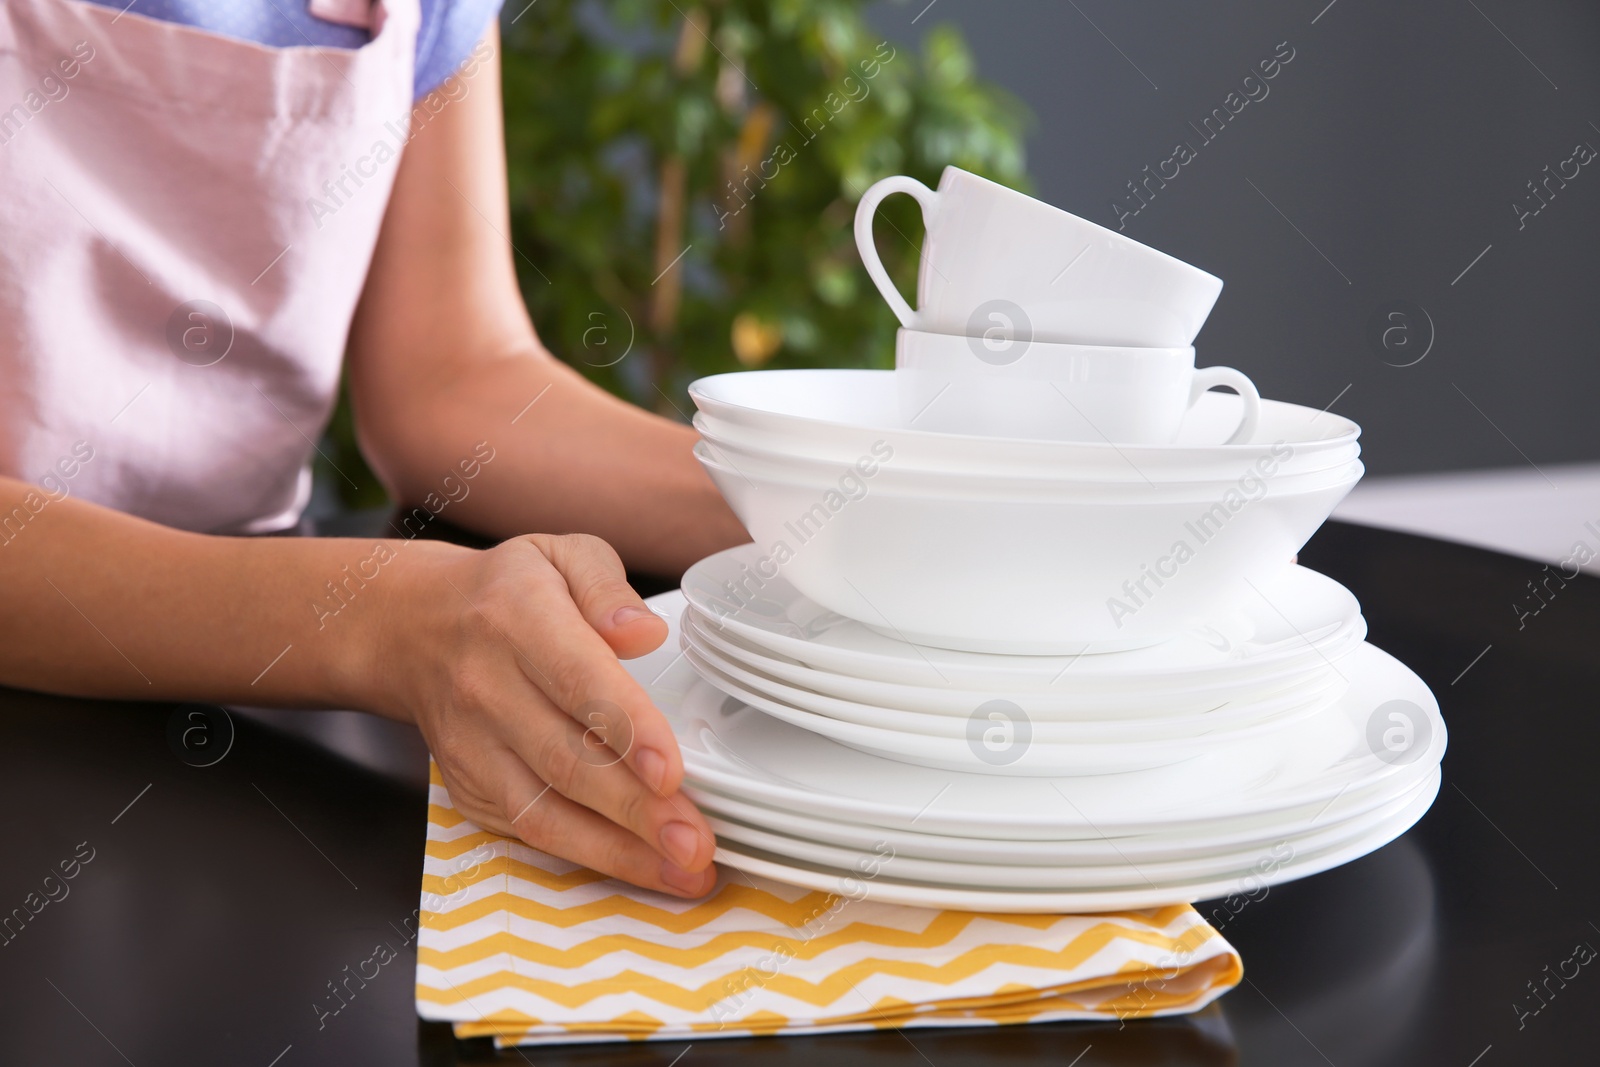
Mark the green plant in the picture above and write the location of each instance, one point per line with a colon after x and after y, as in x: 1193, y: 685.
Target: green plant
x: 684, y: 177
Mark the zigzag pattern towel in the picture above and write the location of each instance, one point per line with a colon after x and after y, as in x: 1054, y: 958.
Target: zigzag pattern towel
x: 529, y: 949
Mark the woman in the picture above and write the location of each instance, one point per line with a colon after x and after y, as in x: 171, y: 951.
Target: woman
x: 208, y: 209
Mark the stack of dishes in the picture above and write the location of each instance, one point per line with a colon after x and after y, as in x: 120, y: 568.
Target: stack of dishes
x: 913, y: 686
x: 1019, y: 629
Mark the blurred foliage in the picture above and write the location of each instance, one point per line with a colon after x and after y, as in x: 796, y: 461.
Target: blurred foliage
x: 684, y: 177
x: 739, y: 135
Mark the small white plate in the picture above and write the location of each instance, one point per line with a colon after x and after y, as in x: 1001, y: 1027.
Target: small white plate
x: 1070, y: 872
x: 997, y: 747
x: 863, y: 884
x: 1231, y: 720
x: 1147, y: 704
x: 739, y: 752
x: 1298, y: 617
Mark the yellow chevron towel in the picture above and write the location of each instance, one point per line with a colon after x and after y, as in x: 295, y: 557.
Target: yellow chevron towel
x: 530, y: 949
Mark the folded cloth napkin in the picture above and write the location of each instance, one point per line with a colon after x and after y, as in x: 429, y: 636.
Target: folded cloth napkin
x: 529, y: 949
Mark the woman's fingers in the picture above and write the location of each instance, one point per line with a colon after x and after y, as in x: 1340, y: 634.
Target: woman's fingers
x: 579, y: 672
x: 563, y: 754
x: 599, y: 586
x: 527, y: 808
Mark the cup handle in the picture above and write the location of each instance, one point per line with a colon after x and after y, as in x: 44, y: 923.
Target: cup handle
x: 869, y: 251
x: 1208, y: 378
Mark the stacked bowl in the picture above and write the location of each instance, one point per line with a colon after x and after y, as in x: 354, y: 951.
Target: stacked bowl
x: 1020, y: 628
x: 992, y: 544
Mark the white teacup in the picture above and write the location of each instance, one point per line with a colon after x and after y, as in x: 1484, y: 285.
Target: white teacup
x: 1057, y: 392
x: 994, y: 259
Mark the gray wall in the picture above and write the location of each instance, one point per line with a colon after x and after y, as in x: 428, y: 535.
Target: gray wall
x: 1396, y: 143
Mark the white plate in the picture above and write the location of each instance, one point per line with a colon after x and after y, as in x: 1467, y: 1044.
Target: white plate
x: 996, y: 747
x: 1210, y: 721
x: 1220, y: 701
x: 1070, y: 872
x: 1084, y: 847
x: 1299, y: 618
x: 740, y: 752
x: 858, y: 884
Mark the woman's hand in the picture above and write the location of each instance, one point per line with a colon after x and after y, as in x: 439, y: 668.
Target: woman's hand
x: 507, y: 659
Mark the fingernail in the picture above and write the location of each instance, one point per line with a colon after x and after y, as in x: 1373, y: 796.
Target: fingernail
x: 679, y: 842
x: 652, y: 768
x: 682, y: 880
x: 628, y: 613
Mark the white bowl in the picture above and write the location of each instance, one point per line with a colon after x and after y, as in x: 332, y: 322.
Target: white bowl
x: 839, y: 415
x: 885, y: 473
x: 1038, y: 575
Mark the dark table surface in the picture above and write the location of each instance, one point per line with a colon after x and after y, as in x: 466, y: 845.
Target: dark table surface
x: 218, y: 902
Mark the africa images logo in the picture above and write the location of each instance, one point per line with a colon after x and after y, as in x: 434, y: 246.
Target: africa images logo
x: 1203, y: 528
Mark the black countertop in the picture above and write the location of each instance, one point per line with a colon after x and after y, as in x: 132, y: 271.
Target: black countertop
x: 211, y: 906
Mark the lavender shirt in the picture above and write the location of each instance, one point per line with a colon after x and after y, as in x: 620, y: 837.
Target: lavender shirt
x: 448, y: 31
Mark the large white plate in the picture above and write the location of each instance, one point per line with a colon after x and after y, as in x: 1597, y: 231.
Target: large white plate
x: 737, y: 751
x: 1299, y: 616
x: 1218, y: 700
x: 1233, y: 720
x: 862, y: 885
x: 1069, y: 873
x: 1085, y: 846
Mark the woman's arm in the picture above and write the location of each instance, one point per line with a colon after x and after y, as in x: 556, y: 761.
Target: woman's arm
x: 100, y: 604
x: 443, y: 356
x: 506, y: 659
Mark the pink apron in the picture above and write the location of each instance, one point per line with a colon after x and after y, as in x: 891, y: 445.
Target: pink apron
x: 186, y: 223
